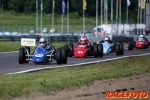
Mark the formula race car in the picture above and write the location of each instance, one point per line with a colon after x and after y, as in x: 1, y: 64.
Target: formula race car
x: 110, y: 46
x: 81, y: 51
x: 141, y: 43
x: 43, y: 53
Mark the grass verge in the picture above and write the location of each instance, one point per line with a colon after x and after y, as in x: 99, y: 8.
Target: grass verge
x: 14, y: 46
x: 17, y: 22
x: 47, y: 81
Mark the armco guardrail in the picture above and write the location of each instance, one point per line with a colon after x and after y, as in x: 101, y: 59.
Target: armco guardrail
x: 64, y: 38
x: 51, y: 38
x: 71, y: 38
x: 121, y: 39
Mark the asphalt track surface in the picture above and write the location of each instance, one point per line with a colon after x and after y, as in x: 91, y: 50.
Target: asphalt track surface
x: 9, y: 61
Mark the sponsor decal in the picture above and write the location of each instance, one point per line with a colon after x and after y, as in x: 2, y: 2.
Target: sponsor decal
x: 28, y: 42
x: 80, y: 52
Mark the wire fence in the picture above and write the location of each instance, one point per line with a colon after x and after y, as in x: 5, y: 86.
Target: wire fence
x: 117, y: 27
x: 28, y: 28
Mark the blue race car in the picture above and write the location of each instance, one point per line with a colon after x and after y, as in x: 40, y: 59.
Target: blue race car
x: 110, y: 46
x: 43, y: 54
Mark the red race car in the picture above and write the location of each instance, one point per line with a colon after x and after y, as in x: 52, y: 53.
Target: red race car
x: 85, y: 48
x: 141, y: 43
x: 81, y: 51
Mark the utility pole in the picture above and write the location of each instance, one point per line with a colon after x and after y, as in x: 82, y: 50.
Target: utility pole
x: 36, y: 16
x: 53, y: 15
x: 96, y: 13
x: 41, y: 14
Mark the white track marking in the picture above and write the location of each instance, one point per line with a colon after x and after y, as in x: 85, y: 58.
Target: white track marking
x: 8, y: 52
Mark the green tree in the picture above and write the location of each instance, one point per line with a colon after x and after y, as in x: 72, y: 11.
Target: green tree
x: 17, y: 5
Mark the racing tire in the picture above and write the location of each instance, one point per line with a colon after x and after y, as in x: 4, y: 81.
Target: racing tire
x: 117, y: 49
x: 66, y: 47
x: 130, y: 46
x: 27, y: 48
x: 21, y: 55
x: 27, y: 52
x: 100, y: 50
x: 70, y: 50
x: 64, y: 55
x: 95, y: 51
x: 134, y: 43
x: 94, y: 43
x: 148, y: 45
x: 59, y: 56
x: 121, y: 49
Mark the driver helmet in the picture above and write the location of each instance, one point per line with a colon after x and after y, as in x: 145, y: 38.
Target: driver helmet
x: 42, y: 42
x: 85, y: 32
x: 107, y: 39
x: 83, y: 39
x: 141, y: 36
x: 110, y: 36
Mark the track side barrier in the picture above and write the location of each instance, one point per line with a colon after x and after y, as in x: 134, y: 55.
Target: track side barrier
x: 121, y: 39
x: 71, y: 38
x: 51, y: 38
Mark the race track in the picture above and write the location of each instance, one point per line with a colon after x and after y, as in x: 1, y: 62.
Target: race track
x: 9, y: 61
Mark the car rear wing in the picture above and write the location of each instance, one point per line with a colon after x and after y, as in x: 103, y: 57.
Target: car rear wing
x: 28, y: 42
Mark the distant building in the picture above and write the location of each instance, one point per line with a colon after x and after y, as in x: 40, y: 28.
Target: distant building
x: 121, y: 29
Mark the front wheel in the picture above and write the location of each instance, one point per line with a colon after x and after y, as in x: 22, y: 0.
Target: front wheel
x: 64, y: 55
x: 100, y: 50
x: 117, y: 49
x: 95, y: 51
x: 59, y: 56
x: 21, y: 55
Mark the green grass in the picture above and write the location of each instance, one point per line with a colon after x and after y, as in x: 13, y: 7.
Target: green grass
x: 11, y: 18
x: 11, y: 21
x: 47, y: 81
x: 14, y: 46
x: 9, y: 46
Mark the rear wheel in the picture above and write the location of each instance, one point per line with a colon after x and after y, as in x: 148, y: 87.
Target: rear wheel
x: 27, y: 53
x: 134, y: 43
x: 117, y: 49
x: 121, y: 49
x: 94, y: 43
x: 64, y: 55
x: 100, y: 50
x: 148, y: 44
x: 66, y: 47
x: 21, y: 55
x: 130, y: 46
x: 95, y: 51
x: 58, y: 56
x: 70, y: 49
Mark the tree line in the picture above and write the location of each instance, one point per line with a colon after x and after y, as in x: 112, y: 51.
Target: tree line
x: 29, y: 6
